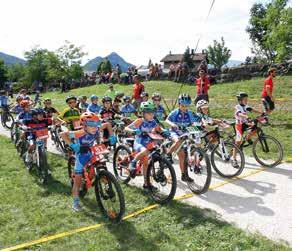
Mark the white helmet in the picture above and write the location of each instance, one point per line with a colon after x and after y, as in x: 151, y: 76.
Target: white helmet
x: 202, y: 103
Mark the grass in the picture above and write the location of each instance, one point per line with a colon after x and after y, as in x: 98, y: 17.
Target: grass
x: 29, y: 211
x: 222, y: 100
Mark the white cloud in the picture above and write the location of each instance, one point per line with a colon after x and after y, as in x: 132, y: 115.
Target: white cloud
x: 137, y: 30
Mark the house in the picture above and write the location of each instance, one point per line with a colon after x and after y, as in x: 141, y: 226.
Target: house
x: 176, y: 58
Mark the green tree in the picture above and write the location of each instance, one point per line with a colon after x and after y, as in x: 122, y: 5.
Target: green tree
x: 16, y: 72
x: 104, y: 66
x: 3, y: 74
x: 188, y: 58
x: 218, y: 54
x: 270, y: 30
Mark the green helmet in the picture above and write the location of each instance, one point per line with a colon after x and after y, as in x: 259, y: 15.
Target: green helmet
x: 147, y: 107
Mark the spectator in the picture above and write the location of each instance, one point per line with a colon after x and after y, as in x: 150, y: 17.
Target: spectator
x: 178, y: 71
x: 130, y: 75
x: 111, y: 92
x: 203, y: 85
x: 267, y: 93
x: 138, y: 88
x: 171, y: 72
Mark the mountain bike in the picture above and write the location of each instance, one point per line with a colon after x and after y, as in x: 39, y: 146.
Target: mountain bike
x: 55, y: 131
x: 108, y: 192
x: 6, y: 117
x: 266, y: 149
x: 160, y: 172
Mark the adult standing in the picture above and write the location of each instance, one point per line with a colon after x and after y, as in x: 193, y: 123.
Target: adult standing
x: 138, y: 88
x: 267, y: 93
x: 203, y: 85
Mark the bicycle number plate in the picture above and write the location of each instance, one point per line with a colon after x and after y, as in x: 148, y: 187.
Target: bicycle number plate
x: 42, y: 134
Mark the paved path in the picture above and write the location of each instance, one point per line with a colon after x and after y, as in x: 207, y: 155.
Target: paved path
x: 259, y: 202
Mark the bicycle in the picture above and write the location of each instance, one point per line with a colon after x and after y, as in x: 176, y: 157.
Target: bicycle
x: 221, y: 152
x: 160, y: 172
x: 108, y: 191
x: 60, y: 144
x: 202, y: 174
x: 266, y: 149
x: 38, y: 139
x: 6, y: 117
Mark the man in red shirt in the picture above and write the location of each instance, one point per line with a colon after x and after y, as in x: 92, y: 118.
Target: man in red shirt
x: 138, y: 88
x: 203, y: 85
x: 267, y: 93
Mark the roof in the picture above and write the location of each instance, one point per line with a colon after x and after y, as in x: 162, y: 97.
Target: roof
x: 179, y: 57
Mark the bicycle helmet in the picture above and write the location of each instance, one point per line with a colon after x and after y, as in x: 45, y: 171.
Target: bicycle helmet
x: 144, y: 94
x: 241, y: 96
x: 70, y: 97
x: 202, y: 103
x: 106, y: 99
x: 184, y: 99
x: 156, y: 95
x: 47, y: 100
x: 126, y: 98
x: 93, y: 97
x: 18, y: 98
x: 24, y: 103
x: 147, y: 107
x: 88, y: 116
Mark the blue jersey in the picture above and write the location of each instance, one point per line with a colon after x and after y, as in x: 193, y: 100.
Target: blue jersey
x: 181, y: 118
x: 3, y: 101
x: 159, y: 112
x: 24, y: 116
x: 127, y: 110
x: 18, y: 109
x: 95, y: 108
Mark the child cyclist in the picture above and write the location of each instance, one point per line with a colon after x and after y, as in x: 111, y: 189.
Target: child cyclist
x: 242, y: 122
x: 139, y: 127
x: 49, y: 109
x: 94, y: 106
x: 80, y: 142
x: 181, y: 117
x: 160, y: 112
x: 127, y: 110
x: 83, y: 105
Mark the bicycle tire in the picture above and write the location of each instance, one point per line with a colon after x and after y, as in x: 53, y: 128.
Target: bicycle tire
x: 116, y: 168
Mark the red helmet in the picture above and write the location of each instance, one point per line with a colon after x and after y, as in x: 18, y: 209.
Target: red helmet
x: 24, y: 103
x: 88, y: 116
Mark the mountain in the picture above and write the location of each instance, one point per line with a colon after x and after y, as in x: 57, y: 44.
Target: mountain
x: 114, y: 58
x: 10, y: 60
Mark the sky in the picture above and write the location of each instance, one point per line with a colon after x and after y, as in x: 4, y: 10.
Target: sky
x: 136, y: 30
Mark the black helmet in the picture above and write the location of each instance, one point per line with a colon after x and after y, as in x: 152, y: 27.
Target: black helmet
x: 47, y: 100
x: 106, y: 99
x: 70, y: 97
x: 125, y: 98
x: 241, y: 95
x: 184, y: 99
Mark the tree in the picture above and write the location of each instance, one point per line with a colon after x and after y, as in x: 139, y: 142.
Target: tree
x: 104, y: 66
x: 16, y: 72
x: 188, y: 58
x: 247, y: 60
x: 218, y: 54
x: 270, y: 30
x: 3, y: 72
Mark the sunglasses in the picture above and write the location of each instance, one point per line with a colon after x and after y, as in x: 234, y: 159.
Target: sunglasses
x: 93, y: 123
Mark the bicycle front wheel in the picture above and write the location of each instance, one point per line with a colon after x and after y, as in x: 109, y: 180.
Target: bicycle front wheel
x: 121, y: 162
x: 162, y: 180
x: 267, y: 151
x: 8, y: 121
x: 222, y: 162
x: 109, y: 196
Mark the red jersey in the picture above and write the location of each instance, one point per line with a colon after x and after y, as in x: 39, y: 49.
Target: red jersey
x: 202, y: 85
x: 267, y: 84
x: 138, y: 89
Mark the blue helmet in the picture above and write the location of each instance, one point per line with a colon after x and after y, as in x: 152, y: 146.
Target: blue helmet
x: 184, y: 99
x: 93, y: 97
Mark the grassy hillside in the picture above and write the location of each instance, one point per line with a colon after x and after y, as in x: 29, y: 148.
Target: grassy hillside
x: 222, y: 100
x: 30, y: 211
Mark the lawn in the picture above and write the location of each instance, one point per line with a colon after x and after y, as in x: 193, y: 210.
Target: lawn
x: 222, y: 100
x: 29, y: 211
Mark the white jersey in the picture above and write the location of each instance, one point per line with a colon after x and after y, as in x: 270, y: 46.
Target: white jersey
x: 241, y: 109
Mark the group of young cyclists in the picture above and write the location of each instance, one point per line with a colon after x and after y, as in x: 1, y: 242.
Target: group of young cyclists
x: 92, y: 122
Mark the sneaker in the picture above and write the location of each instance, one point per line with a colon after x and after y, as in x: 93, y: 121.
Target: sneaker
x: 186, y: 178
x: 77, y: 207
x: 234, y: 163
x: 149, y: 187
x: 133, y: 169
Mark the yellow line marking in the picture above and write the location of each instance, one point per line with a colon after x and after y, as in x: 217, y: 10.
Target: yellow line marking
x: 144, y: 210
x: 289, y: 159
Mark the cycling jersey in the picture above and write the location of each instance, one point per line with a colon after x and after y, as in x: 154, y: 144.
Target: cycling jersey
x: 50, y: 111
x: 38, y: 124
x: 159, y: 112
x: 181, y: 118
x: 241, y: 109
x: 202, y: 119
x: 83, y: 106
x: 141, y: 141
x: 127, y: 110
x: 18, y: 109
x: 107, y: 114
x: 3, y: 101
x: 23, y: 116
x: 95, y: 108
x: 71, y: 115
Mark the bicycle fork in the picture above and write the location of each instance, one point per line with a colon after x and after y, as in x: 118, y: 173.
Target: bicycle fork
x: 223, y: 151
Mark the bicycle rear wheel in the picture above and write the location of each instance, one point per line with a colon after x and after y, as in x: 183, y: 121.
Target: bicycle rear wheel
x: 8, y: 120
x: 109, y: 196
x: 267, y: 151
x: 121, y: 162
x: 200, y: 174
x: 162, y: 180
x: 223, y: 166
